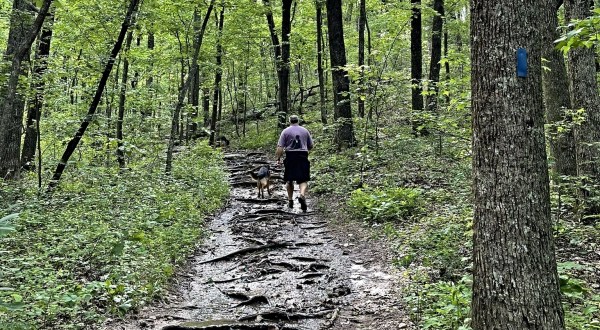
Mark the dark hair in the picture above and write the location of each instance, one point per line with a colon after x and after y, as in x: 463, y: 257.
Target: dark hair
x: 294, y: 119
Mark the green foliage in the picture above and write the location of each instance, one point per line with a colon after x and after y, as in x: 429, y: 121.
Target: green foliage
x: 442, y: 305
x: 5, y: 226
x: 107, y: 241
x: 581, y: 304
x: 262, y: 136
x: 385, y: 204
x: 580, y: 33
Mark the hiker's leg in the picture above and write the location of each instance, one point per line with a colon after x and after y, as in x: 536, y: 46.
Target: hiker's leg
x: 303, y: 188
x: 290, y: 190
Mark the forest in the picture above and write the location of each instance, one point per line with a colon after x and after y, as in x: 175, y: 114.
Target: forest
x: 455, y: 175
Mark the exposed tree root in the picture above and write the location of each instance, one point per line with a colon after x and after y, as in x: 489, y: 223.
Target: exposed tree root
x: 253, y: 300
x: 281, y: 315
x: 247, y: 250
x: 226, y: 325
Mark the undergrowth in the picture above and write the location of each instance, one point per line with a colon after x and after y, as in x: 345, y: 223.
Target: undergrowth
x: 417, y: 194
x: 105, y: 241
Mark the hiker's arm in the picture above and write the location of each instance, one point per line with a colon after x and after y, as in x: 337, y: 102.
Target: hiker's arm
x: 279, y: 153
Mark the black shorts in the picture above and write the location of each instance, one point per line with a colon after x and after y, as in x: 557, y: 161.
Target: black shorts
x: 297, y: 166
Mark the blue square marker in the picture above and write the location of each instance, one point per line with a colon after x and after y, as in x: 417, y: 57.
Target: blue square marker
x: 521, y: 62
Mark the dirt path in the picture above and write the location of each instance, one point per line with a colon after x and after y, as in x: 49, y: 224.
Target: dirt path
x: 266, y: 266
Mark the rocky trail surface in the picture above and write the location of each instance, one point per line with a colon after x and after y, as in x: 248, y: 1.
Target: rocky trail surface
x: 266, y: 266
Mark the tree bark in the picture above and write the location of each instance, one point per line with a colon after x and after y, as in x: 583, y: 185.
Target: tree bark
x: 515, y: 281
x: 122, y: 97
x: 276, y: 49
x: 35, y: 108
x: 447, y: 63
x: 436, y: 54
x: 150, y: 80
x: 218, y: 77
x: 362, y: 18
x: 206, y: 106
x: 284, y: 87
x: 556, y: 96
x: 341, y: 84
x: 195, y: 87
x: 72, y: 145
x: 22, y: 34
x: 584, y: 94
x: 319, y: 14
x: 416, y: 66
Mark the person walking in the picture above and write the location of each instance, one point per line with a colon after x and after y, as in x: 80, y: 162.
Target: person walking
x: 295, y: 141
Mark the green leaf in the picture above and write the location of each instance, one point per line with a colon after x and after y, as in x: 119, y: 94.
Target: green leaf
x: 12, y: 306
x: 17, y: 297
x: 9, y: 217
x: 5, y: 226
x: 117, y: 249
x: 139, y: 236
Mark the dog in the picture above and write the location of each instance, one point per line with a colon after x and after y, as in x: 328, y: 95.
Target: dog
x: 263, y: 180
x: 223, y: 141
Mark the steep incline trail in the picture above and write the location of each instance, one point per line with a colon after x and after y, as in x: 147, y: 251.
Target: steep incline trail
x: 266, y: 266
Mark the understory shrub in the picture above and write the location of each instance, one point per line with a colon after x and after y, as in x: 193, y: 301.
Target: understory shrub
x: 385, y: 204
x: 106, y: 241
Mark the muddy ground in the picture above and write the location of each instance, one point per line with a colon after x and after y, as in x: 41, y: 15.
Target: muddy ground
x: 266, y: 266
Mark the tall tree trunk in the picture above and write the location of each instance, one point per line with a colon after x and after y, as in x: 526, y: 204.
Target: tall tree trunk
x: 319, y: 6
x: 21, y: 35
x: 416, y: 64
x: 447, y: 63
x: 35, y: 108
x: 195, y: 87
x: 136, y: 75
x: 436, y: 53
x: 370, y: 113
x: 150, y: 79
x: 515, y: 281
x: 584, y: 94
x: 265, y: 73
x: 72, y: 145
x: 206, y: 106
x: 277, y: 53
x: 362, y: 18
x: 121, y: 112
x: 218, y: 77
x: 300, y: 84
x: 284, y: 87
x: 184, y: 90
x: 556, y: 96
x: 341, y: 84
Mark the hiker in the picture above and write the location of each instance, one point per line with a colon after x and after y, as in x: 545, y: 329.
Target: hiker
x: 296, y: 141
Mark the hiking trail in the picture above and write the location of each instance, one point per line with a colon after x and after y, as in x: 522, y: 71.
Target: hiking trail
x: 266, y: 266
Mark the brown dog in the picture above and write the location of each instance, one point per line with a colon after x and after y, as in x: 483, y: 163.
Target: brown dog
x: 263, y: 180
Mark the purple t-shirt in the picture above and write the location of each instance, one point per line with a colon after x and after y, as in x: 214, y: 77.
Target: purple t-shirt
x: 295, y: 138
